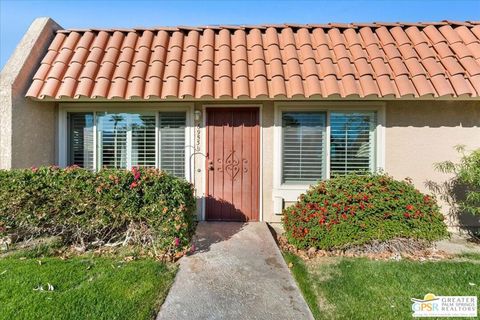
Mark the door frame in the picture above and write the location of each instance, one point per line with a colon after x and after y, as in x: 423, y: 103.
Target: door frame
x: 204, y: 148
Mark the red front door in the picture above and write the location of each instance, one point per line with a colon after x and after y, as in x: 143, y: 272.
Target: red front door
x: 233, y: 171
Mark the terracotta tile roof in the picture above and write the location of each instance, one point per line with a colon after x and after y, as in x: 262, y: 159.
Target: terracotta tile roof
x: 384, y: 60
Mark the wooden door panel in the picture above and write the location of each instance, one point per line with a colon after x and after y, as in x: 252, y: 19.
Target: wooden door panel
x: 233, y: 164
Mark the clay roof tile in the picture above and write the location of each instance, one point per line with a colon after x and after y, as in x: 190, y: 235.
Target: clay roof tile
x: 384, y: 59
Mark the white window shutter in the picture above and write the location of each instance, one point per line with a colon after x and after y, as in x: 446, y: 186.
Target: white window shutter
x: 172, y: 142
x: 112, y: 140
x: 352, y: 142
x: 143, y: 141
x: 126, y: 140
x: 80, y: 142
x: 303, y: 150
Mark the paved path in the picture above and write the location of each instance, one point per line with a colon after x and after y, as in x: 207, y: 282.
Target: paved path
x: 237, y: 272
x: 458, y: 244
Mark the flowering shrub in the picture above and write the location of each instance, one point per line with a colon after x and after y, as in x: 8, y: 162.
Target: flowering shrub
x: 141, y: 206
x: 357, y: 209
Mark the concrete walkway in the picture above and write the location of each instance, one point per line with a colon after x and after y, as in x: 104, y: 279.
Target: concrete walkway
x: 458, y: 244
x: 237, y: 272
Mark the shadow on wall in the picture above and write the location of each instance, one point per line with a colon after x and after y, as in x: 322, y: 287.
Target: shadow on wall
x: 212, y: 232
x: 451, y: 192
x: 406, y: 113
x: 433, y: 114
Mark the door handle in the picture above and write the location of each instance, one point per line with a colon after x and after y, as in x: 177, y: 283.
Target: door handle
x: 210, y: 165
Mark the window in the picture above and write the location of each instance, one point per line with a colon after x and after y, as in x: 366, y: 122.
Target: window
x: 143, y: 141
x: 303, y: 146
x: 351, y: 137
x: 128, y: 139
x: 125, y: 140
x: 352, y: 142
x: 80, y: 139
x: 172, y: 140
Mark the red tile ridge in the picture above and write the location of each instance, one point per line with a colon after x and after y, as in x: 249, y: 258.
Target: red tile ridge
x: 340, y: 25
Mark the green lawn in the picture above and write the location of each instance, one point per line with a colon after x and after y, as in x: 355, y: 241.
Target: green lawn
x: 84, y: 288
x: 341, y: 288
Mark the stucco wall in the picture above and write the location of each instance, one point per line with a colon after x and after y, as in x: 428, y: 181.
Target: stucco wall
x: 421, y: 133
x: 417, y: 134
x: 27, y: 128
x: 267, y: 168
x: 199, y: 160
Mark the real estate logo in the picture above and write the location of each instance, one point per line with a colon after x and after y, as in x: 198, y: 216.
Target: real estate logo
x: 444, y: 306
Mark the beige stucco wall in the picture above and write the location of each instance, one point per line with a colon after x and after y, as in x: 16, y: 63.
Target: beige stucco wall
x: 421, y: 133
x: 27, y: 128
x: 268, y: 159
x: 417, y: 134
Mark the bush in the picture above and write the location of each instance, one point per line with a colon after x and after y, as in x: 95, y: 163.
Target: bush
x: 142, y: 206
x: 357, y: 209
x: 467, y: 176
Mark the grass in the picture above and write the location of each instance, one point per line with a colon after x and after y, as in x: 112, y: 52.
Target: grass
x: 84, y: 288
x: 342, y: 288
x: 302, y: 277
x: 470, y: 256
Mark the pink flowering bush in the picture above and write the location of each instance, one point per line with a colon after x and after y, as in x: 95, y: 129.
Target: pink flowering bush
x: 357, y: 209
x: 147, y: 207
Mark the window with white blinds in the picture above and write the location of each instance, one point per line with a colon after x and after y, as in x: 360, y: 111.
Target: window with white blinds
x: 172, y: 142
x: 352, y: 142
x: 112, y: 140
x: 80, y: 142
x: 125, y: 140
x: 303, y: 149
x: 143, y: 141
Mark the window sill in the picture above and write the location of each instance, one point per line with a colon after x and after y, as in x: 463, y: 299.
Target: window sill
x: 289, y: 193
x: 287, y: 186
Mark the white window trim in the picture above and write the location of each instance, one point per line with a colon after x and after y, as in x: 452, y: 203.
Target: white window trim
x: 65, y: 108
x: 290, y: 192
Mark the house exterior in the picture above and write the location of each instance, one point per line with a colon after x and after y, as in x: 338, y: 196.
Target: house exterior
x: 251, y: 115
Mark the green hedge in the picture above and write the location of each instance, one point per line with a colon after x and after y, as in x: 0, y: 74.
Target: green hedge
x: 141, y: 206
x: 357, y: 209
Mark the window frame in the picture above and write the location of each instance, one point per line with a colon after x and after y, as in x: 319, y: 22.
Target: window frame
x: 62, y: 152
x: 290, y: 192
